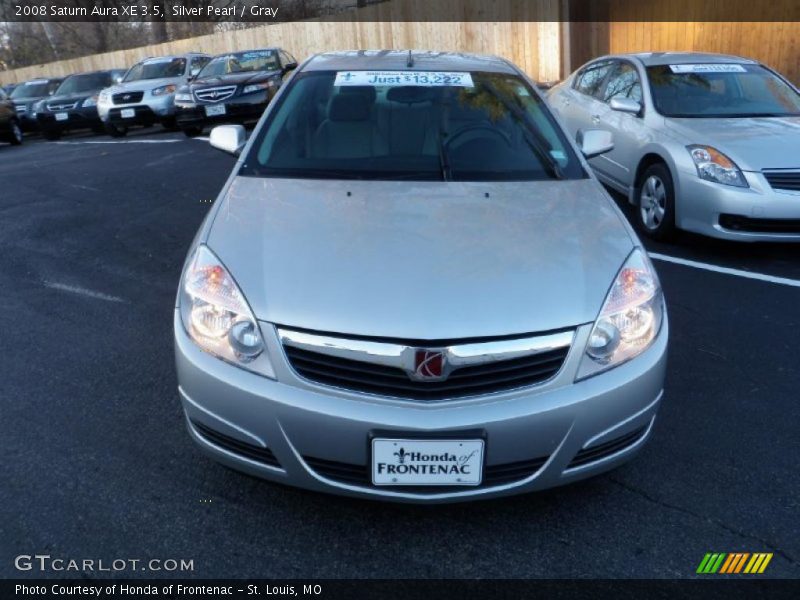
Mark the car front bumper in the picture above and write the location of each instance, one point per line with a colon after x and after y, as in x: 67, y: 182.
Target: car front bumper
x: 147, y: 112
x: 249, y: 108
x: 76, y: 119
x: 753, y: 214
x: 318, y: 437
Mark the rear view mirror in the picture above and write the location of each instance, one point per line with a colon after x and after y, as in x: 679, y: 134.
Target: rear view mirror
x: 626, y: 105
x: 594, y: 142
x: 228, y: 138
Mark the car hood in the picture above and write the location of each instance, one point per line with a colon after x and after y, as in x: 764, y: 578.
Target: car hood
x: 753, y: 143
x: 234, y: 78
x: 415, y: 260
x: 146, y: 84
x: 71, y: 97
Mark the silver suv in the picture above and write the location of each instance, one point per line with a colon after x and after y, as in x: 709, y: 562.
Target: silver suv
x: 147, y: 93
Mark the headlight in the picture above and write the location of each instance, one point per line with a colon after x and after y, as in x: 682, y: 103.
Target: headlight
x: 103, y: 97
x: 183, y: 97
x: 257, y: 87
x: 163, y: 90
x: 89, y: 102
x: 215, y: 314
x: 713, y: 165
x: 629, y: 320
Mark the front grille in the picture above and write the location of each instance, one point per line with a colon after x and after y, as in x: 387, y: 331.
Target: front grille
x: 21, y: 108
x: 251, y: 451
x: 391, y: 381
x: 127, y: 97
x: 750, y: 225
x: 784, y: 180
x: 493, y: 475
x: 215, y: 94
x: 62, y: 106
x: 601, y: 451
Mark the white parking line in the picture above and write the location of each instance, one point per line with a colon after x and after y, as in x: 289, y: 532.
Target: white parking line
x: 726, y: 270
x: 82, y: 291
x: 121, y: 142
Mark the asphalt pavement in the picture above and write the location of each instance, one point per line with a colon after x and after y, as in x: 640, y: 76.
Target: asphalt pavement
x: 96, y: 463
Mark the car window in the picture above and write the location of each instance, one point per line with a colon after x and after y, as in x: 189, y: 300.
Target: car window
x: 2, y: 95
x: 590, y: 80
x: 287, y: 58
x: 157, y: 68
x: 242, y: 62
x: 623, y: 83
x: 491, y: 127
x: 726, y: 90
x: 88, y: 82
x: 198, y: 62
x: 31, y: 89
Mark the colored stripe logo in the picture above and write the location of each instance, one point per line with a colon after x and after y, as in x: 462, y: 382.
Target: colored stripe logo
x: 732, y: 563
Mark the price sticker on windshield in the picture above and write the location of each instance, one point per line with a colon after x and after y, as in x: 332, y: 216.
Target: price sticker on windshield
x: 708, y: 68
x: 403, y: 78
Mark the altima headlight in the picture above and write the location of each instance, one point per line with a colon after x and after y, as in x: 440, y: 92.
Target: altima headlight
x: 89, y: 102
x: 629, y: 320
x: 713, y: 165
x: 163, y: 90
x: 257, y: 87
x: 216, y: 315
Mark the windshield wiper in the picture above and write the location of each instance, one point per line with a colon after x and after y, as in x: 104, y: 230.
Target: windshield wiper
x: 444, y: 160
x: 535, y: 140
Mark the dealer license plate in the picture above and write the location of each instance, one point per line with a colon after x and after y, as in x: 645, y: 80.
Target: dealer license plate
x: 215, y: 110
x: 62, y: 116
x: 426, y: 462
x: 128, y: 113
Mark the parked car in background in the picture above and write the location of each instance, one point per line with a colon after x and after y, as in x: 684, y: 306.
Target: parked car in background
x: 703, y: 142
x: 74, y: 103
x: 8, y: 88
x: 28, y: 97
x: 146, y: 95
x: 10, y: 129
x: 411, y: 288
x: 233, y: 87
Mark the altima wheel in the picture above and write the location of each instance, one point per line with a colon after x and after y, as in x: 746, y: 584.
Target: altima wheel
x: 656, y: 214
x: 16, y: 133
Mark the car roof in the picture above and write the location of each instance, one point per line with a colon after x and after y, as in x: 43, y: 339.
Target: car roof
x: 397, y: 60
x: 650, y: 59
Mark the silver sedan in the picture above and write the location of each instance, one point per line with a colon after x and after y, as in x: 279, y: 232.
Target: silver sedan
x: 411, y: 288
x: 703, y: 142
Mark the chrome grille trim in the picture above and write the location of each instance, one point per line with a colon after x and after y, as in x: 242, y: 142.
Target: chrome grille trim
x: 21, y: 108
x: 60, y: 107
x: 215, y: 94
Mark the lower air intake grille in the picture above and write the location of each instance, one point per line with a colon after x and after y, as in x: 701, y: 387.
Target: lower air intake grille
x: 739, y: 223
x: 251, y: 451
x: 600, y: 451
x: 492, y: 475
x: 390, y: 381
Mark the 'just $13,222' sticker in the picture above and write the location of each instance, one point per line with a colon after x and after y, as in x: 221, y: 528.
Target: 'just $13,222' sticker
x: 401, y: 78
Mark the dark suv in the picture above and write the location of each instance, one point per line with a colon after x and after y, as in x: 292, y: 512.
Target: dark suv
x: 28, y: 97
x: 10, y: 130
x: 234, y: 87
x: 74, y: 104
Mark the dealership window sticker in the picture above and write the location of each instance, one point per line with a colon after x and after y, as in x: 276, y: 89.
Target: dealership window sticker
x: 403, y: 78
x: 707, y: 68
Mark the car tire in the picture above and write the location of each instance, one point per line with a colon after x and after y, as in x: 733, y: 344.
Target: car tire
x: 51, y: 133
x: 655, y: 203
x: 16, y: 134
x: 115, y: 131
x: 192, y: 131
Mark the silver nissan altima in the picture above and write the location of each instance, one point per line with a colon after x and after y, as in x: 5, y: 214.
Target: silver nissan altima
x: 411, y: 288
x: 703, y: 142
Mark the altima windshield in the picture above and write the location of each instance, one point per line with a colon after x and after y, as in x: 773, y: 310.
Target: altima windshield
x: 84, y: 83
x: 411, y: 125
x: 721, y: 90
x: 242, y: 62
x: 156, y: 68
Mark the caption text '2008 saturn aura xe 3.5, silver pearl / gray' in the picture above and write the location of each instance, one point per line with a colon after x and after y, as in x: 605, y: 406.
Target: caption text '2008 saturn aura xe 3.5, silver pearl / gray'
x: 412, y: 288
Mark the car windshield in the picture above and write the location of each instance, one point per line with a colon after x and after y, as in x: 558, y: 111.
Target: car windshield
x: 84, y: 83
x: 32, y: 89
x: 721, y: 90
x: 411, y: 125
x: 242, y: 62
x: 156, y: 68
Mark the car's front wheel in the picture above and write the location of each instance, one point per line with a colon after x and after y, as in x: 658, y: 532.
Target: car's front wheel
x: 16, y: 133
x: 115, y: 131
x: 656, y: 203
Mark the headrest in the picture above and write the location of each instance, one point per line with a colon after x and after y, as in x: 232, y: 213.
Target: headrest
x: 410, y: 93
x: 348, y: 107
x: 367, y: 91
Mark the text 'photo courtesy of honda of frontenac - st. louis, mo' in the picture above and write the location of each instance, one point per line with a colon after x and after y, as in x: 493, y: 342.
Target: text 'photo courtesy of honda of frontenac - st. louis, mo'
x: 412, y: 288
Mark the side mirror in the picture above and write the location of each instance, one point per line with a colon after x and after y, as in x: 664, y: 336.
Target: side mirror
x: 228, y: 138
x: 594, y: 142
x: 626, y: 105
x: 289, y: 67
